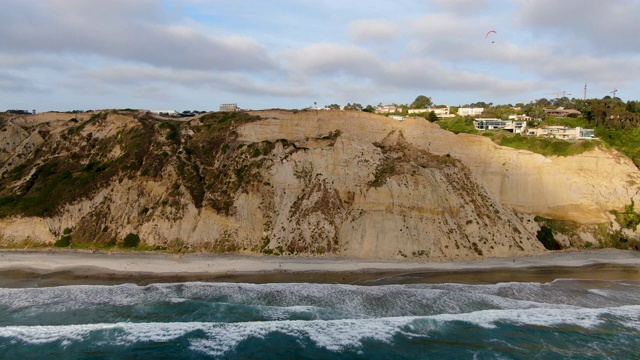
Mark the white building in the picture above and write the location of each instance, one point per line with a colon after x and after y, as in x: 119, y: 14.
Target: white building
x: 464, y: 111
x: 520, y: 117
x: 229, y: 107
x: 516, y: 127
x: 165, y: 112
x: 441, y: 112
x: 563, y: 132
x: 385, y: 109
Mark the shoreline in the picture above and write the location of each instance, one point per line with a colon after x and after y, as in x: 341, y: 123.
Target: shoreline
x: 53, y: 267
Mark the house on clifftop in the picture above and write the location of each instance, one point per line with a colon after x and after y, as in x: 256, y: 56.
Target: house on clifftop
x: 516, y: 127
x: 229, y: 107
x: 561, y: 112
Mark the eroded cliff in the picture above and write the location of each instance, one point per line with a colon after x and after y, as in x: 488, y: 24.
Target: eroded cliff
x: 279, y: 182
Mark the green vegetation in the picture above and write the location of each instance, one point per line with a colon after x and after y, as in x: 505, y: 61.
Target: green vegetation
x: 616, y: 124
x: 131, y: 241
x: 64, y: 241
x: 52, y: 184
x: 545, y: 236
x: 264, y: 248
x: 432, y: 117
x: 385, y: 170
x: 92, y: 119
x: 458, y: 125
x: 567, y: 121
x: 628, y: 218
x: 540, y: 145
x: 172, y: 133
x: 79, y: 167
x: 617, y: 239
x: 402, y: 158
x: 547, y: 146
x: 627, y: 141
x: 421, y: 102
x: 569, y: 228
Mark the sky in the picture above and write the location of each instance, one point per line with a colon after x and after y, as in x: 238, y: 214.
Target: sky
x: 197, y: 54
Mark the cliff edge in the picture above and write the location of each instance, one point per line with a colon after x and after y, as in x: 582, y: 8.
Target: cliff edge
x: 307, y: 183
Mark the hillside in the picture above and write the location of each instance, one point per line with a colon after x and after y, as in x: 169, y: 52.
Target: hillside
x: 307, y: 183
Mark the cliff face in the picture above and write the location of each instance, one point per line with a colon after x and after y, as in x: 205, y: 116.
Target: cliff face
x: 327, y: 182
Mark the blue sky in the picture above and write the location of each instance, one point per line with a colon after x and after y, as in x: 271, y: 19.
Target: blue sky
x: 197, y: 54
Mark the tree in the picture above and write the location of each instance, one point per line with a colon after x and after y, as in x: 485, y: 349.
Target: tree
x: 633, y: 106
x: 543, y: 102
x: 421, y: 102
x: 480, y: 104
x: 369, y: 108
x: 535, y: 111
x: 333, y: 107
x: 432, y: 116
x: 354, y: 106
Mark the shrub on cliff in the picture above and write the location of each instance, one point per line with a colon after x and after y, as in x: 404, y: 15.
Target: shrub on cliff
x: 65, y: 239
x: 131, y: 241
x: 628, y: 218
x: 545, y: 236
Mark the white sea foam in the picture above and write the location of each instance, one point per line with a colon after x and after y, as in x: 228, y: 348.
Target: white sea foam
x: 583, y: 317
x: 599, y: 292
x: 220, y: 337
x: 333, y: 335
x: 70, y: 297
x: 327, y: 301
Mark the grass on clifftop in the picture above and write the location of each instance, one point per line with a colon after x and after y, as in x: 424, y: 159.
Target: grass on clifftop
x: 539, y: 145
x: 626, y: 141
x: 547, y: 146
x: 457, y: 125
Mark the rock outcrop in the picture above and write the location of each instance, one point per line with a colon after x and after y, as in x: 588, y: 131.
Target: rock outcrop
x: 281, y: 182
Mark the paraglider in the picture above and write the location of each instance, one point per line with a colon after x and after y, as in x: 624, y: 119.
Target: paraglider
x: 489, y: 32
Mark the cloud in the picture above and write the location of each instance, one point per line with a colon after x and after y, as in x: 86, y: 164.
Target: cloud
x: 15, y: 61
x: 373, y: 30
x: 15, y: 83
x: 333, y: 59
x: 602, y: 27
x: 459, y: 6
x: 427, y: 74
x: 126, y: 30
x: 286, y: 53
x: 340, y: 62
x: 149, y: 80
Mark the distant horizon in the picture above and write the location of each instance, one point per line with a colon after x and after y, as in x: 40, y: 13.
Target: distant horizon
x: 192, y: 54
x: 240, y: 108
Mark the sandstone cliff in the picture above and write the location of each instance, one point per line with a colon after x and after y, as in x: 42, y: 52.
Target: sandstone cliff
x: 278, y: 182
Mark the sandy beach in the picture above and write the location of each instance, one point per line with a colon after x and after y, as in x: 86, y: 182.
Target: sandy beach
x: 51, y: 267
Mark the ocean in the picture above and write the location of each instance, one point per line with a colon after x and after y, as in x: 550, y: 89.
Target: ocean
x: 560, y: 319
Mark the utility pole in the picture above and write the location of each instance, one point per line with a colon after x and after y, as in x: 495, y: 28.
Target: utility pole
x: 585, y: 91
x: 614, y: 92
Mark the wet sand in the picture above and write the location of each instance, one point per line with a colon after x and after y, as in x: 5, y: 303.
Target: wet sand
x: 36, y: 268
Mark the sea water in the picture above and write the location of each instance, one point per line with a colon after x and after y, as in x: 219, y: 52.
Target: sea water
x: 562, y: 319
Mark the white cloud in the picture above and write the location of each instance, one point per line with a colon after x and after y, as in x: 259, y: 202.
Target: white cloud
x: 147, y: 78
x: 373, y: 30
x: 602, y: 27
x: 286, y: 52
x: 129, y: 31
x: 333, y: 59
x: 459, y: 6
x: 17, y: 83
